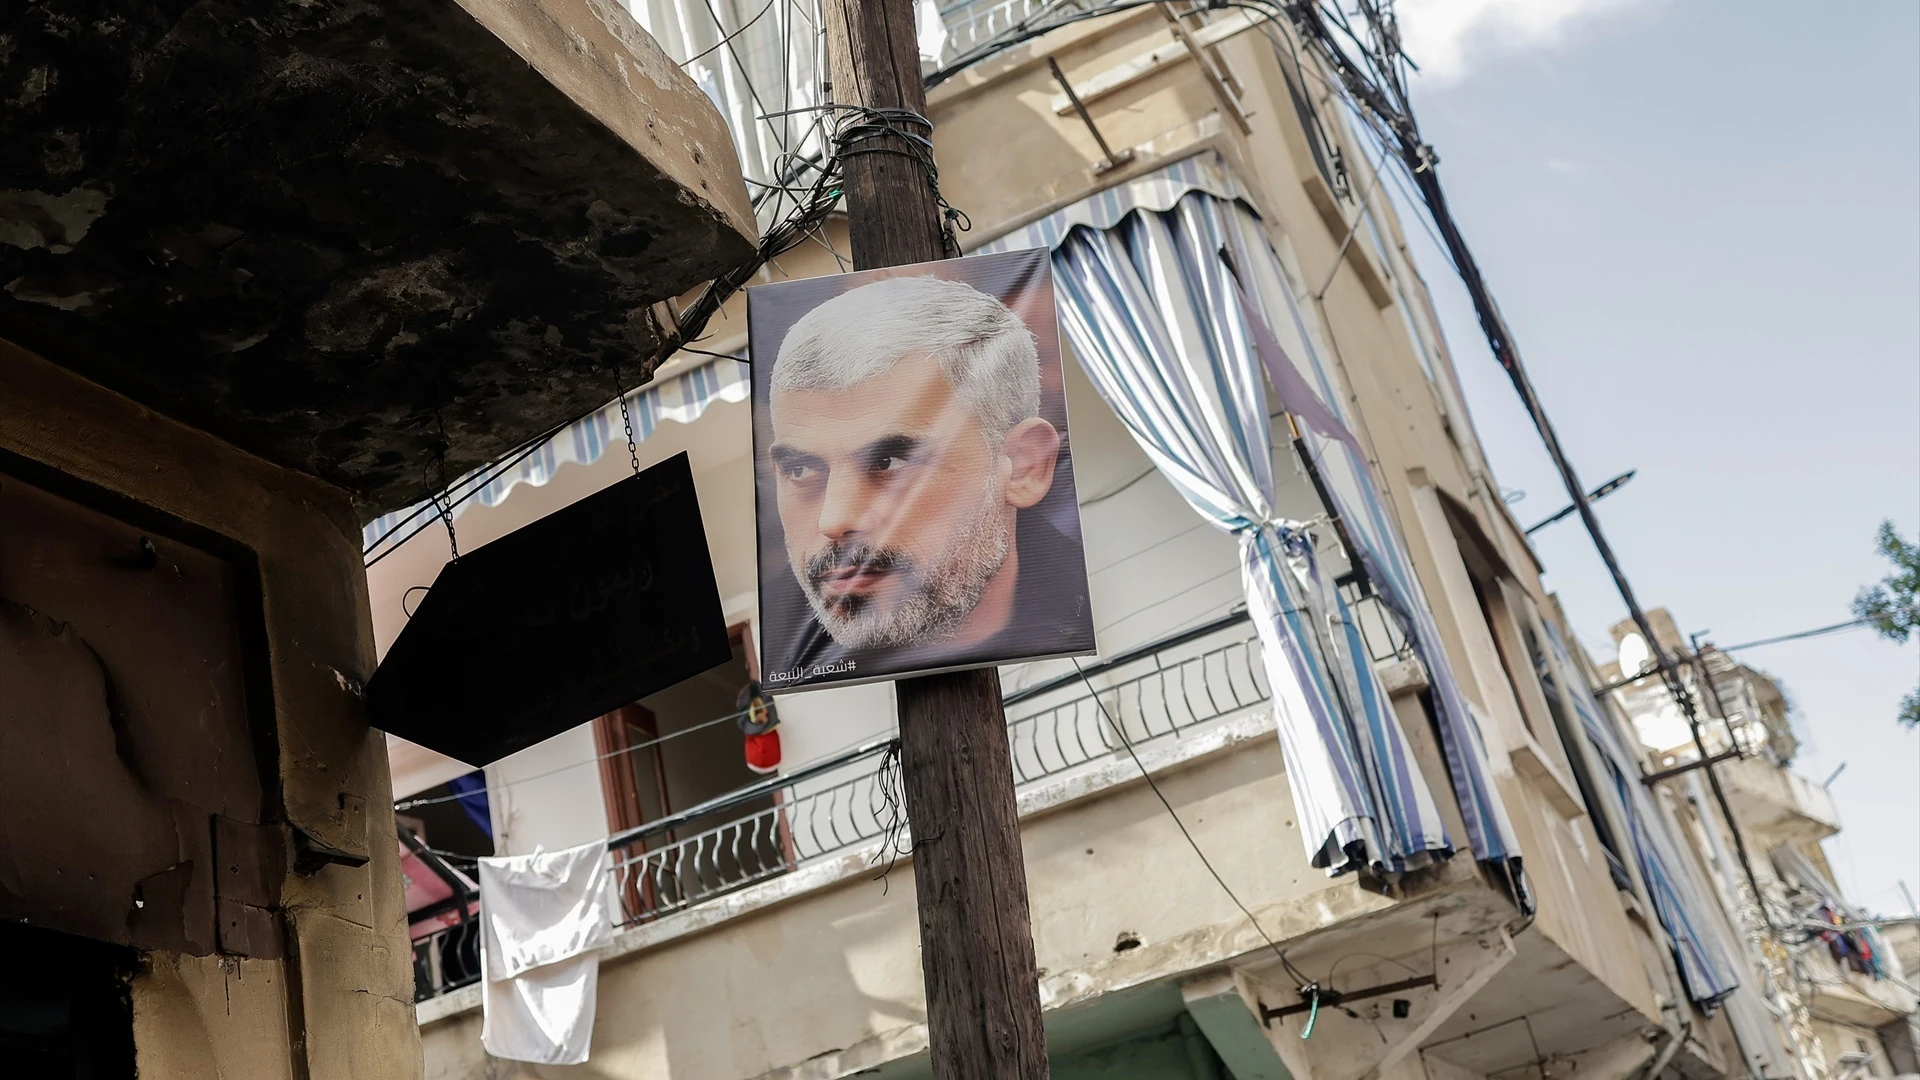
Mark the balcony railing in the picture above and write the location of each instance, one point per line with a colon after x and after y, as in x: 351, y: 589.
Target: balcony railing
x: 841, y: 803
x: 1160, y: 690
x: 973, y: 23
x: 446, y: 959
x: 830, y: 806
x: 1155, y: 694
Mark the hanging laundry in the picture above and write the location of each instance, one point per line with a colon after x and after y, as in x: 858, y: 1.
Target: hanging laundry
x: 544, y: 918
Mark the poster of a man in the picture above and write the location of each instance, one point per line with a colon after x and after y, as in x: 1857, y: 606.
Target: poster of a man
x: 916, y: 510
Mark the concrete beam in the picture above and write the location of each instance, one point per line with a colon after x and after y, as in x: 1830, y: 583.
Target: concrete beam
x: 1365, y: 1039
x: 324, y: 232
x: 1228, y: 1015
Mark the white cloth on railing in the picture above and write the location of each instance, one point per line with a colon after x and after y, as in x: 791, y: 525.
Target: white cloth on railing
x: 543, y: 918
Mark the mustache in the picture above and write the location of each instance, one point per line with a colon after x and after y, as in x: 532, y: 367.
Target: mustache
x: 854, y: 557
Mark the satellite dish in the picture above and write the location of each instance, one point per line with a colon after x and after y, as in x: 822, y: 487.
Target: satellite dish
x: 1635, y: 657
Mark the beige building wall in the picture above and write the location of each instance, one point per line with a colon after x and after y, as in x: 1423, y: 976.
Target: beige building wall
x: 341, y: 1007
x: 824, y: 973
x: 817, y: 975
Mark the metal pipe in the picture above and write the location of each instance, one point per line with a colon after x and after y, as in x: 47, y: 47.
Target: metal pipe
x: 1596, y: 495
x: 432, y: 860
x: 1678, y: 770
x: 1333, y: 998
x: 1114, y: 161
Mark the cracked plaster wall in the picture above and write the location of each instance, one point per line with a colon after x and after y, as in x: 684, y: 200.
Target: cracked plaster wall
x: 340, y: 1007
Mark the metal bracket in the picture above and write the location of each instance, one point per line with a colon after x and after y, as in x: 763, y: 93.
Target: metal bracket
x: 310, y: 856
x: 1114, y: 160
x: 1653, y: 778
x: 1330, y: 999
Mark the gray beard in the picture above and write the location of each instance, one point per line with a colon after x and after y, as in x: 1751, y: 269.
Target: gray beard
x: 934, y: 600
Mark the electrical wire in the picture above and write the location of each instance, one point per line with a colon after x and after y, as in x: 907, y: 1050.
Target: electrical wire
x: 1105, y: 495
x: 1198, y: 524
x: 453, y: 858
x: 1328, y: 978
x: 596, y: 759
x: 748, y: 25
x: 715, y: 355
x: 441, y: 503
x: 1188, y: 591
x: 1023, y: 32
x: 1851, y: 624
x: 802, y: 224
x: 1146, y: 775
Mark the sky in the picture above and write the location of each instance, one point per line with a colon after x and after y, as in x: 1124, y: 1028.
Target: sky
x: 1702, y: 222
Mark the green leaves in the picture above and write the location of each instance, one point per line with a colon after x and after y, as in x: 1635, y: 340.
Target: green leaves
x: 1892, y: 607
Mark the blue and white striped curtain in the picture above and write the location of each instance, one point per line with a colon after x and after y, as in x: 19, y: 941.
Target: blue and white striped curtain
x: 1302, y: 371
x: 682, y: 399
x: 1151, y: 309
x: 1152, y: 313
x: 1704, y: 966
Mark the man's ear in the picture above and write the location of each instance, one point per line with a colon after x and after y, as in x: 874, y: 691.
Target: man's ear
x: 1031, y: 449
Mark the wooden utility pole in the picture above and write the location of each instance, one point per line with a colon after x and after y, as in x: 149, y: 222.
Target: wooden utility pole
x: 976, y: 937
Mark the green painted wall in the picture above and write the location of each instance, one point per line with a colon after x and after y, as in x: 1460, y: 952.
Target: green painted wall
x: 1165, y: 1053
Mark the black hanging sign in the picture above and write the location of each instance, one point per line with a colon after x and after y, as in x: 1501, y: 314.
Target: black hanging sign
x: 590, y: 608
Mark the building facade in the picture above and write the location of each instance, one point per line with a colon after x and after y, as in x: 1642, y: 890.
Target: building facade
x: 255, y: 287
x: 1832, y: 972
x: 766, y: 923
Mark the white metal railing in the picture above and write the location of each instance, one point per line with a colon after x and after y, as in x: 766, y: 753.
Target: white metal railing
x: 1155, y: 694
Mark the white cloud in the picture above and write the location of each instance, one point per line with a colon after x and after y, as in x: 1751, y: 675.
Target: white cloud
x: 1446, y: 37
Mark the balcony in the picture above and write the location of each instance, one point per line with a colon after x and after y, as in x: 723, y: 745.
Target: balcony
x: 1179, y: 697
x: 1056, y: 727
x: 1779, y: 803
x: 1836, y: 993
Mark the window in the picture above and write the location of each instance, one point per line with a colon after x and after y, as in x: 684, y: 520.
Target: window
x: 677, y: 750
x: 1568, y: 725
x: 1326, y: 155
x: 632, y: 768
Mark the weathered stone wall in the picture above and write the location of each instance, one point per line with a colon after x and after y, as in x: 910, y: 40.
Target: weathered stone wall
x: 340, y: 1006
x: 333, y: 232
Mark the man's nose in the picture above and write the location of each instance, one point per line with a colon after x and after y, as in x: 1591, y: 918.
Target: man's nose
x: 844, y: 506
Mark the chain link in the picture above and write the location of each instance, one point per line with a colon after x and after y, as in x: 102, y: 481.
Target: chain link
x: 626, y: 418
x: 443, y: 499
x: 444, y: 504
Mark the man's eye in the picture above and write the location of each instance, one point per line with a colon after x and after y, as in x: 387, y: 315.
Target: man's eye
x: 889, y: 463
x: 797, y: 471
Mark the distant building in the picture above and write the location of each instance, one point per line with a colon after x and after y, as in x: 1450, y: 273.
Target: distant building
x: 1841, y: 999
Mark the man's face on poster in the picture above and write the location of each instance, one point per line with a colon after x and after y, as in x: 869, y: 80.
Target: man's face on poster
x: 899, y: 497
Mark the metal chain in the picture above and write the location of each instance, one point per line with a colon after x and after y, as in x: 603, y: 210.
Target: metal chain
x: 442, y: 500
x: 626, y: 418
x: 445, y: 505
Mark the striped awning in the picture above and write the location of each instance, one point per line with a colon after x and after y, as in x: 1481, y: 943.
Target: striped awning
x: 1157, y: 317
x: 680, y: 399
x: 1676, y: 895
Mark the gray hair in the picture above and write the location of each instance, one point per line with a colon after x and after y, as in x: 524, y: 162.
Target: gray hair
x: 985, y: 351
